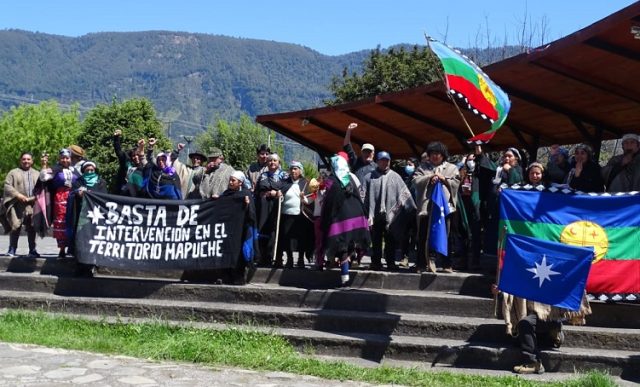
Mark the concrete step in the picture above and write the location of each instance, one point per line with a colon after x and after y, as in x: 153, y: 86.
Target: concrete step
x: 472, y: 329
x: 374, y: 347
x: 381, y: 300
x: 365, y: 300
x: 461, y: 283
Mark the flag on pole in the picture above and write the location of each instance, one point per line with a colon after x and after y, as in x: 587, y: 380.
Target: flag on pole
x: 439, y: 211
x: 610, y: 223
x: 549, y: 272
x: 466, y: 81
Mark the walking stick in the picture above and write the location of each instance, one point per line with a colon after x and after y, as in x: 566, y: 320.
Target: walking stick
x: 275, y: 245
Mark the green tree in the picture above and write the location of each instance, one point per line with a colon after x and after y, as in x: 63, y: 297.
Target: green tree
x: 395, y: 70
x: 36, y: 128
x: 135, y: 117
x: 238, y: 141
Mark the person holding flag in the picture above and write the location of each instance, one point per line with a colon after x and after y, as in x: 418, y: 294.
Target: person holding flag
x: 426, y: 178
x: 551, y: 277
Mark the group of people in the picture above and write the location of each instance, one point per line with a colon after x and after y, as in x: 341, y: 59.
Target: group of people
x: 395, y: 204
x: 143, y: 172
x: 360, y: 206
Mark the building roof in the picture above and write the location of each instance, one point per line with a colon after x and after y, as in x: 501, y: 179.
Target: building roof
x: 584, y: 87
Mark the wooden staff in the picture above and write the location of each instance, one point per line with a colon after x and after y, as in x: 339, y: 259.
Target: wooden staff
x: 453, y: 100
x: 275, y: 245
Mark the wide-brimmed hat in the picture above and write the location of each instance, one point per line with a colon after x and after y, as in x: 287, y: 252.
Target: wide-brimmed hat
x: 199, y: 155
x: 76, y: 151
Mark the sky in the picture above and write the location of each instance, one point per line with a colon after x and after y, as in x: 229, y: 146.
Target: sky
x: 331, y: 27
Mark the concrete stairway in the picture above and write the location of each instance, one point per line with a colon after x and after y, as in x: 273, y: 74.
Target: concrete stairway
x: 434, y: 318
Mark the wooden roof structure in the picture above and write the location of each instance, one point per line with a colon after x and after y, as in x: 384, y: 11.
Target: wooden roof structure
x: 584, y: 87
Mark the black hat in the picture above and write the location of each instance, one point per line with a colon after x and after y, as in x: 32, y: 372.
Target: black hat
x: 198, y: 155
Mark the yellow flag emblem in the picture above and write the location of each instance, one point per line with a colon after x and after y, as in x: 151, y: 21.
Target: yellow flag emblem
x: 486, y: 90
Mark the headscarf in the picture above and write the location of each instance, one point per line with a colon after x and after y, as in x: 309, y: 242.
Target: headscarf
x: 168, y: 169
x: 515, y: 153
x: 90, y: 178
x: 297, y: 164
x: 340, y: 167
x: 238, y: 175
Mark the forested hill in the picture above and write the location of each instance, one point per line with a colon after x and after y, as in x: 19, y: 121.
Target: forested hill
x: 189, y: 77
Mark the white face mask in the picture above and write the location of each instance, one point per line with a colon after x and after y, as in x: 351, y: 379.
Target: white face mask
x: 471, y: 165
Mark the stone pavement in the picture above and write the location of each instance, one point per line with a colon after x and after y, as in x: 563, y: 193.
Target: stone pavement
x: 46, y: 246
x: 31, y: 365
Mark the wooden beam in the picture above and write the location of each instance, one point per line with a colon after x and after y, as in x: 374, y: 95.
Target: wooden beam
x: 301, y: 140
x: 381, y: 125
x: 519, y: 136
x: 597, y: 146
x: 559, y: 109
x: 337, y: 132
x: 509, y: 123
x: 613, y: 49
x: 584, y: 131
x: 588, y: 79
x: 459, y: 135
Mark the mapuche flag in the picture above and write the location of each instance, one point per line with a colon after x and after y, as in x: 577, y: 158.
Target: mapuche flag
x: 549, y: 272
x: 467, y: 81
x: 609, y: 223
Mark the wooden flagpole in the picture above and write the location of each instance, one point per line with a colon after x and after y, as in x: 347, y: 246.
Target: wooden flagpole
x: 453, y: 100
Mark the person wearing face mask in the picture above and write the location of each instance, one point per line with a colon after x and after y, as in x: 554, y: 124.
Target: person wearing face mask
x: 58, y: 180
x: 469, y: 205
x: 408, y: 171
x: 89, y: 180
x: 408, y: 244
x: 390, y: 207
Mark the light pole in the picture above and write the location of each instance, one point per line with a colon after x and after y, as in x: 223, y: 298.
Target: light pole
x: 189, y: 140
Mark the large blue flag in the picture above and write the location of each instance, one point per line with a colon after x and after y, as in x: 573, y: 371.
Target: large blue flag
x: 439, y: 211
x: 549, y: 272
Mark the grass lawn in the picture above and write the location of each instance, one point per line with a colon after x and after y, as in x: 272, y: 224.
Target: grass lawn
x: 229, y: 347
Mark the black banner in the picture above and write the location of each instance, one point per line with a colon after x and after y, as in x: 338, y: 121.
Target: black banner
x: 150, y: 234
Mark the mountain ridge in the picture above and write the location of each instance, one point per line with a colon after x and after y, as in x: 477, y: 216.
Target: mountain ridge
x: 192, y: 78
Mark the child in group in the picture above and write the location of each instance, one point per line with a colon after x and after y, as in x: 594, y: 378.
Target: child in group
x: 535, y: 174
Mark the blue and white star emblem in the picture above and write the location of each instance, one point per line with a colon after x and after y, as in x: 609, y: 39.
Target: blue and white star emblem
x: 95, y: 215
x: 543, y: 271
